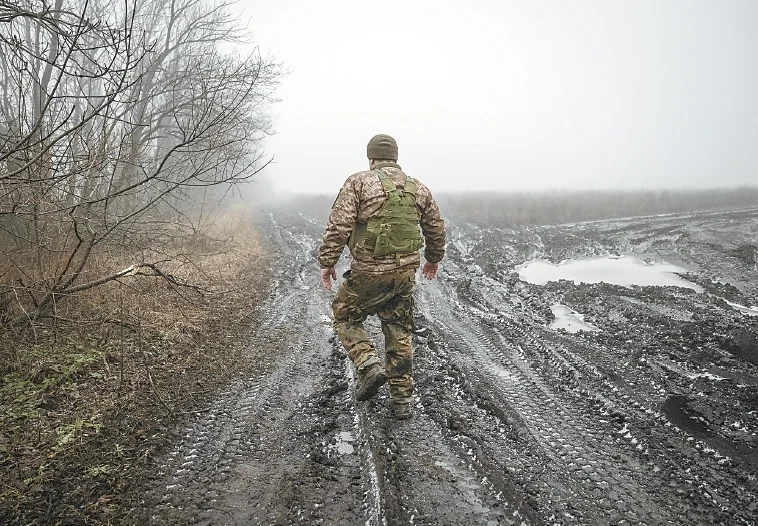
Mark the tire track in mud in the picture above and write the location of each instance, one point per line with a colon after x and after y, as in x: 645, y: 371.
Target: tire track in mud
x: 291, y: 445
x: 620, y: 399
x: 511, y: 383
x: 418, y: 473
x: 614, y: 408
x: 424, y: 474
x: 513, y: 424
x: 247, y: 461
x: 628, y: 404
x: 266, y: 453
x: 587, y: 463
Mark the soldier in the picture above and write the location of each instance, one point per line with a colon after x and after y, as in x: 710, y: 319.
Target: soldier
x: 377, y: 214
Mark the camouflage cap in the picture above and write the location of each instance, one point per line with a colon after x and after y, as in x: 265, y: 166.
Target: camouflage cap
x: 382, y: 147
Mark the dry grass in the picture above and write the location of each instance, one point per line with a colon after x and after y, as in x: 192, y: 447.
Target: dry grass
x: 89, y: 396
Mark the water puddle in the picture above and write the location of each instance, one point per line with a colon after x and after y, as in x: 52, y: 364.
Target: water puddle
x: 677, y: 411
x: 343, y: 444
x: 503, y: 373
x: 750, y: 311
x: 463, y: 249
x: 616, y: 270
x: 569, y: 320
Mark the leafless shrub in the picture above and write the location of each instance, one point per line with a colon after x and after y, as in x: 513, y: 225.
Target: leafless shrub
x: 130, y: 358
x: 117, y: 122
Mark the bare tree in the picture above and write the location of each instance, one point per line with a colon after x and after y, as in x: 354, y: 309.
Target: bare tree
x: 111, y: 119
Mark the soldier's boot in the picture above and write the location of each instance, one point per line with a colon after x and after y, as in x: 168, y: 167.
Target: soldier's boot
x: 370, y: 380
x: 401, y: 410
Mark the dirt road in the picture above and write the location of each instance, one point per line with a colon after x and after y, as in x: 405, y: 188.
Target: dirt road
x: 652, y: 419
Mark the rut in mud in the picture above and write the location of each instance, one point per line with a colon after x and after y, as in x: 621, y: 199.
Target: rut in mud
x: 651, y: 419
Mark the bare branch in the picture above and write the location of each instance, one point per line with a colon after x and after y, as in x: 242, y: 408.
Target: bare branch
x: 114, y: 120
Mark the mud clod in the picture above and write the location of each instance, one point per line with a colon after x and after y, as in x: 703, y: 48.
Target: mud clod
x: 743, y: 344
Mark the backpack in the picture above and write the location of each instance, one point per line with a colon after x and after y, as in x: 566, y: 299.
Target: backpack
x: 395, y: 228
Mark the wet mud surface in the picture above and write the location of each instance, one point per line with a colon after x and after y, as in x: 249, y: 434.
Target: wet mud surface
x: 652, y: 419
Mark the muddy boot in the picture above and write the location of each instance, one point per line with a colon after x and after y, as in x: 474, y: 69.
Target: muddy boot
x: 401, y: 410
x: 369, y: 381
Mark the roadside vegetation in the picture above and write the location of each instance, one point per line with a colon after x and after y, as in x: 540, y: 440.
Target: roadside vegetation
x: 129, y: 270
x: 90, y: 394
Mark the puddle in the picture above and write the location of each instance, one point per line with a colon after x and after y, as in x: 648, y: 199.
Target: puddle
x: 343, y: 443
x: 569, y: 320
x: 677, y: 411
x: 750, y: 311
x: 503, y: 373
x: 463, y: 249
x: 621, y: 270
x: 616, y: 270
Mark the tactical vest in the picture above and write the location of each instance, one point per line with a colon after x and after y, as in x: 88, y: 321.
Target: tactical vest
x: 395, y: 228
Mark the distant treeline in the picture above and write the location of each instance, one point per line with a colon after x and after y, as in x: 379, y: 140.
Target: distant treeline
x: 557, y: 206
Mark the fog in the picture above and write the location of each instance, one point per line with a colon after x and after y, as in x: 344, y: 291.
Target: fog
x: 499, y: 95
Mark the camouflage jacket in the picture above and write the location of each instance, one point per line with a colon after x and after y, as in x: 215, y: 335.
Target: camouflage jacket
x: 361, y: 198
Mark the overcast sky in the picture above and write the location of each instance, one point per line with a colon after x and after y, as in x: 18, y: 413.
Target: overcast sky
x: 516, y: 95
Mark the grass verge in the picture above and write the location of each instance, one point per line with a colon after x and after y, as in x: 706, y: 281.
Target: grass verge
x: 90, y: 396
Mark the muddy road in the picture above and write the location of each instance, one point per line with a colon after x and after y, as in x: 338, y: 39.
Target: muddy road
x: 651, y: 419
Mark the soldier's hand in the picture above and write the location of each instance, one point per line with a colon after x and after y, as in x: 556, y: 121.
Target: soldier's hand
x: 430, y: 270
x: 327, y: 275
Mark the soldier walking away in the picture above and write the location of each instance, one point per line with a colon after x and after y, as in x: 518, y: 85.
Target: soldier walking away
x: 377, y: 214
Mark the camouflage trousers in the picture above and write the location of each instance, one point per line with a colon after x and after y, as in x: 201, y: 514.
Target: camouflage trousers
x: 390, y: 297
